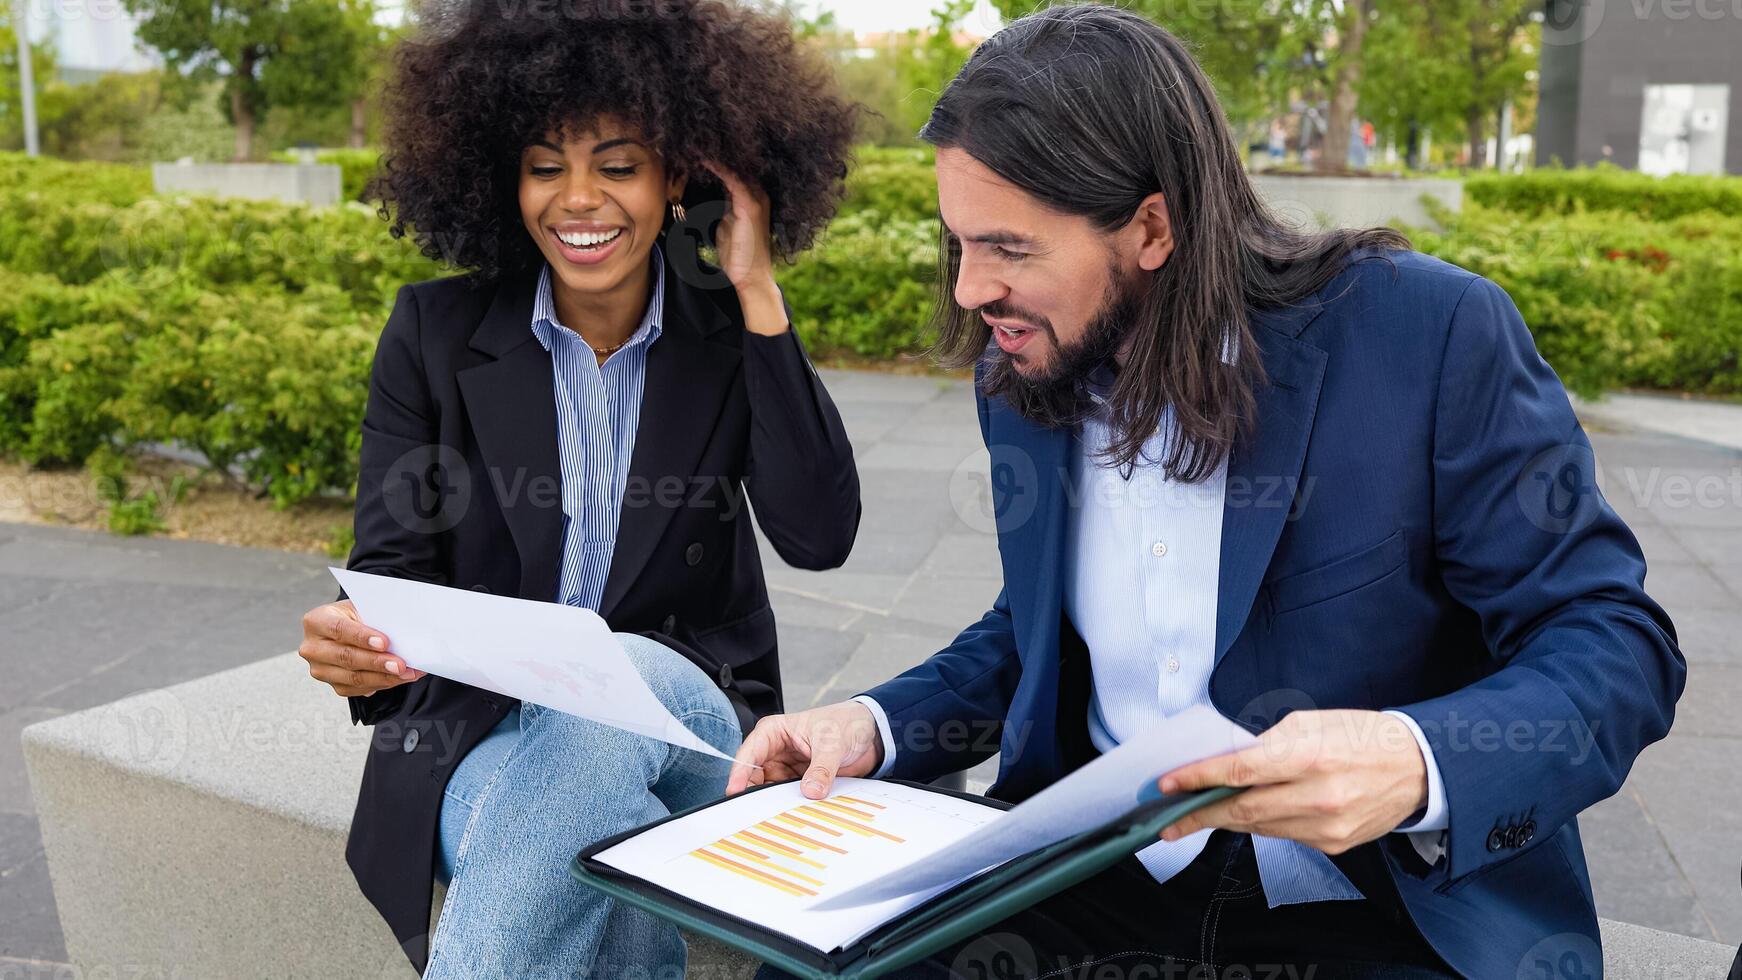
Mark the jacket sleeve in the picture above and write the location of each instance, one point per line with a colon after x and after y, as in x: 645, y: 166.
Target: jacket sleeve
x: 1588, y: 667
x: 400, y: 447
x: 971, y: 682
x: 801, y: 476
x: 962, y: 690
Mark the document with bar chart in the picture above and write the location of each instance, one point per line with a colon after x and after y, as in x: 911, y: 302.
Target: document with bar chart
x: 769, y: 856
x: 829, y: 872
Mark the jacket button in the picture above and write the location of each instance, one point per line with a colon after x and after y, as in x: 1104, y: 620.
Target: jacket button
x: 480, y: 587
x: 669, y: 626
x: 1526, y: 832
x: 725, y: 675
x: 1496, y: 839
x: 693, y: 554
x: 410, y: 743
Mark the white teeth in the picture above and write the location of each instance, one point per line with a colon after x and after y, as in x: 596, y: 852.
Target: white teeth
x: 588, y: 239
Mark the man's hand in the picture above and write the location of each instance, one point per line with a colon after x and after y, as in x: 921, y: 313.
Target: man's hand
x: 819, y: 743
x: 344, y: 653
x: 1331, y: 780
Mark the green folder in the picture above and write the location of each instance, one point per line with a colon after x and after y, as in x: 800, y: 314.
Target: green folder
x: 956, y: 914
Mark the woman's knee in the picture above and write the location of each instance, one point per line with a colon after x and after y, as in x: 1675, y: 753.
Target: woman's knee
x: 684, y: 688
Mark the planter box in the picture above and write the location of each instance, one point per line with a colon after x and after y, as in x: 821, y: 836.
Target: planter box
x: 303, y: 183
x: 1356, y: 202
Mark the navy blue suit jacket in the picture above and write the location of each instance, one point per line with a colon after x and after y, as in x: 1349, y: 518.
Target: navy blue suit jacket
x: 1414, y: 524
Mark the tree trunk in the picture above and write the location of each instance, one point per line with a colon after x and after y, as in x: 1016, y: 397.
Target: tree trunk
x: 1478, y: 146
x: 1412, y: 147
x: 1338, y: 126
x: 242, y: 108
x: 359, y: 124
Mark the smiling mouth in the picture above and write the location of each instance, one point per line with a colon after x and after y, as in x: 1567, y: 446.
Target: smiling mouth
x: 590, y: 241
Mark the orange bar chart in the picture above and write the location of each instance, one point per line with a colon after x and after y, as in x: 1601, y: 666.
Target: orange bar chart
x: 790, y: 851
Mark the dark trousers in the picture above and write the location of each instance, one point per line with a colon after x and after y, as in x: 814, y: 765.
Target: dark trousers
x: 1209, y: 921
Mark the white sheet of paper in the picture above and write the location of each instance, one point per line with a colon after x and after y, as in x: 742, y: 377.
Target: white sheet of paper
x: 1098, y: 792
x: 560, y: 656
x: 766, y: 856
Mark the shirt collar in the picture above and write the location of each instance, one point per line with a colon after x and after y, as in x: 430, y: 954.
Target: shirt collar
x: 545, y: 325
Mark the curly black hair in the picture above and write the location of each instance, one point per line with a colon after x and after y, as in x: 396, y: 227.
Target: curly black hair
x: 702, y: 79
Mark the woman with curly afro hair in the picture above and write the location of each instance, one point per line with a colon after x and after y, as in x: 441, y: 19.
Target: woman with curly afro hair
x: 578, y: 418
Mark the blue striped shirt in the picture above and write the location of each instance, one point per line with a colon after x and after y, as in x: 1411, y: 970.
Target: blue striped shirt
x: 598, y: 407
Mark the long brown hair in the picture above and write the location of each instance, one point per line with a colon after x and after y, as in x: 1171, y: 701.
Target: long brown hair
x: 1090, y: 109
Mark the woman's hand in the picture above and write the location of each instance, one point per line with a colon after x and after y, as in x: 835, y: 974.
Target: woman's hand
x: 351, y: 657
x: 746, y: 252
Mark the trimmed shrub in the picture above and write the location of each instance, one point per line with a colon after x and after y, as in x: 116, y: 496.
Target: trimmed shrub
x: 1614, y: 303
x: 1606, y: 188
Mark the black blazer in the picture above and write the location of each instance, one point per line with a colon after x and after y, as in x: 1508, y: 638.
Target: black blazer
x: 459, y: 485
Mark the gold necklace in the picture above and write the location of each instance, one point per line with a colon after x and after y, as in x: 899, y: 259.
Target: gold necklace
x: 604, y: 351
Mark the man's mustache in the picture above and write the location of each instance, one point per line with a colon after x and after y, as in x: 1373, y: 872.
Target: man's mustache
x: 999, y: 311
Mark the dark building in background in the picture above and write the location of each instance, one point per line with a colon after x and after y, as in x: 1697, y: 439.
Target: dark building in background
x: 1645, y: 84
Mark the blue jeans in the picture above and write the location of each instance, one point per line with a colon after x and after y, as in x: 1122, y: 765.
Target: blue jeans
x: 541, y: 786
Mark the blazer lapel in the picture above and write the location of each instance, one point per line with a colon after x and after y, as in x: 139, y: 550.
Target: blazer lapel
x: 684, y: 393
x: 1264, y: 472
x: 511, y: 401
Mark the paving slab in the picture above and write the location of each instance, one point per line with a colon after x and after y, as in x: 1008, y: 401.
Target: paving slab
x: 89, y: 617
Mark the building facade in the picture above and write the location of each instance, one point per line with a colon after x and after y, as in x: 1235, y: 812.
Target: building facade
x: 1647, y: 85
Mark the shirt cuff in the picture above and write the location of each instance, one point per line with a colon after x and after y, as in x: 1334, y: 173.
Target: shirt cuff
x: 1427, y: 834
x: 882, y: 733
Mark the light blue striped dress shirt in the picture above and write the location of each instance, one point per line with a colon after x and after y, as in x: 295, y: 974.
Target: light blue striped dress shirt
x: 598, y: 407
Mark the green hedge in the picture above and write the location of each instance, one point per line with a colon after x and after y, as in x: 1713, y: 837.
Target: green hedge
x: 107, y: 183
x: 867, y: 288
x: 246, y: 329
x: 898, y: 184
x: 1550, y: 192
x: 1614, y: 303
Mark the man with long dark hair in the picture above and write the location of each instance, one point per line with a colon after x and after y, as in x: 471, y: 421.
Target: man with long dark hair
x: 1318, y: 481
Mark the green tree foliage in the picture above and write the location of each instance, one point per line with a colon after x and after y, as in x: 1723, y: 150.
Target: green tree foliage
x: 305, y: 53
x: 1450, y: 65
x: 1256, y: 52
x: 900, y: 79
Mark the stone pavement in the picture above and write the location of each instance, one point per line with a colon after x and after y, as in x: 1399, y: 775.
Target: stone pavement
x: 89, y: 618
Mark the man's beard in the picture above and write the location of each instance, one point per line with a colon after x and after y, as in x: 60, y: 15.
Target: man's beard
x: 1052, y: 398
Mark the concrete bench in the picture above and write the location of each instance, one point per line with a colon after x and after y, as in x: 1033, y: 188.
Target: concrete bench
x: 198, y: 831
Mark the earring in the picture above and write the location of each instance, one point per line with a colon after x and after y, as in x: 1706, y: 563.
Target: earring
x: 677, y: 212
